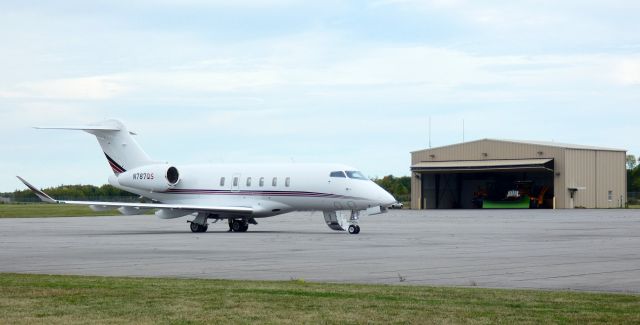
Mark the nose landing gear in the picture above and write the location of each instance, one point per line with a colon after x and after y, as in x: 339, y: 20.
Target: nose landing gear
x: 343, y: 221
x: 354, y: 229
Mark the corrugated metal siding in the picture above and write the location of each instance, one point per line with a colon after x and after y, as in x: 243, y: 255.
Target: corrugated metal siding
x: 611, y: 176
x: 580, y: 171
x: 416, y: 191
x: 493, y: 149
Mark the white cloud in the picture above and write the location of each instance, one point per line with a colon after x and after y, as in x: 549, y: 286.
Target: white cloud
x: 82, y: 88
x: 203, y: 81
x: 219, y: 3
x: 525, y: 24
x: 627, y: 72
x: 419, y: 73
x: 422, y: 3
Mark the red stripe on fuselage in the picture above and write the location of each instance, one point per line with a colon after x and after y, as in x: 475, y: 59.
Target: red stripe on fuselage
x: 262, y: 193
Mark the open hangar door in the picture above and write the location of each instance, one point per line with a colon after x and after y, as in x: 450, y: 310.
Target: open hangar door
x: 526, y: 183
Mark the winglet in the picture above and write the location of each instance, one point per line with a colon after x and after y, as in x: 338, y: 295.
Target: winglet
x: 40, y: 194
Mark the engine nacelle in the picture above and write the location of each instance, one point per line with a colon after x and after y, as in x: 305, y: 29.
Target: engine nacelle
x: 155, y: 178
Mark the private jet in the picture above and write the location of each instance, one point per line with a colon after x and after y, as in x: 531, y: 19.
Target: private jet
x: 238, y: 193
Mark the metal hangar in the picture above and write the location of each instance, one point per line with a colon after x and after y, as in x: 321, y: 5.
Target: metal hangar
x: 492, y: 173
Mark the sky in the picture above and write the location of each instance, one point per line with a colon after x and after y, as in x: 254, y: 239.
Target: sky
x: 352, y: 82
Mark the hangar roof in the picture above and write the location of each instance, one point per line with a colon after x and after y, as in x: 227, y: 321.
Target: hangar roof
x: 558, y: 145
x: 537, y: 143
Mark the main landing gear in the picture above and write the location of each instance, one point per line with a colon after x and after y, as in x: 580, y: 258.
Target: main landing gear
x: 198, y: 228
x: 238, y: 225
x: 241, y: 225
x: 199, y: 224
x: 354, y: 229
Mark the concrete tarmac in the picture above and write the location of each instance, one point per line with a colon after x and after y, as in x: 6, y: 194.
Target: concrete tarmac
x: 594, y: 250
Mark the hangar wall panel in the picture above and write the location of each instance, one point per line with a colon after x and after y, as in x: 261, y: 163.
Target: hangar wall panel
x: 580, y: 171
x: 611, y: 176
x: 416, y: 191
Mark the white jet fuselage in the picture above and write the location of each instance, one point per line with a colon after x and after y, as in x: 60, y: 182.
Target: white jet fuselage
x: 269, y: 189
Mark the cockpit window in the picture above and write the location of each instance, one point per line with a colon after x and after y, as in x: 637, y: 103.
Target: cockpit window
x: 355, y: 174
x: 338, y: 174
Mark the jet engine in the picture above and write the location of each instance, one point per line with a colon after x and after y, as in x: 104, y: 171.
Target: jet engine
x: 154, y: 178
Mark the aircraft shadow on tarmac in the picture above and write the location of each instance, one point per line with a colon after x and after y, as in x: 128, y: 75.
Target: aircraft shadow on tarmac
x: 171, y: 232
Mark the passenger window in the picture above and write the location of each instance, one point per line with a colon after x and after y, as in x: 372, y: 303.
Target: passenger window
x: 261, y: 181
x: 221, y: 181
x: 287, y: 181
x: 235, y: 181
x: 248, y: 181
x: 337, y: 174
x: 274, y: 182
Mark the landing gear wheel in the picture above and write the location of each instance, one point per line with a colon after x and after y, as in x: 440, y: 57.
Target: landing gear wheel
x: 357, y: 229
x: 198, y: 228
x: 194, y: 227
x: 239, y: 226
x: 354, y: 229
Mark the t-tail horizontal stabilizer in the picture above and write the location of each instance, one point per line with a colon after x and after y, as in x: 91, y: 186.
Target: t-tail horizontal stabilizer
x: 88, y: 128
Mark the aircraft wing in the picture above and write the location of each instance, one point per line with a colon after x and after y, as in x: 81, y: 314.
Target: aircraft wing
x: 98, y: 205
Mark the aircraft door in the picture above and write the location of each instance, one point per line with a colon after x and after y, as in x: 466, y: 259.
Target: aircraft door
x: 340, y: 186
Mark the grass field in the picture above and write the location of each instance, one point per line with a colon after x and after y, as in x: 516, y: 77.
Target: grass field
x: 39, y: 210
x: 28, y: 299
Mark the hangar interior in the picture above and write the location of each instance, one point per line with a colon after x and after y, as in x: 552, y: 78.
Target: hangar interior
x: 514, y: 174
x: 469, y: 189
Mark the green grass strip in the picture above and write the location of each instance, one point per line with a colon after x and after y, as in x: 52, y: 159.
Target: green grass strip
x: 46, y: 299
x: 42, y: 210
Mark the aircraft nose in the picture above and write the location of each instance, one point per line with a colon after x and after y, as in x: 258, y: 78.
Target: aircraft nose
x: 385, y: 198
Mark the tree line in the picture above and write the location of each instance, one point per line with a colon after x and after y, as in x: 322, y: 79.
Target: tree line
x: 633, y: 174
x: 73, y: 192
x: 399, y: 187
